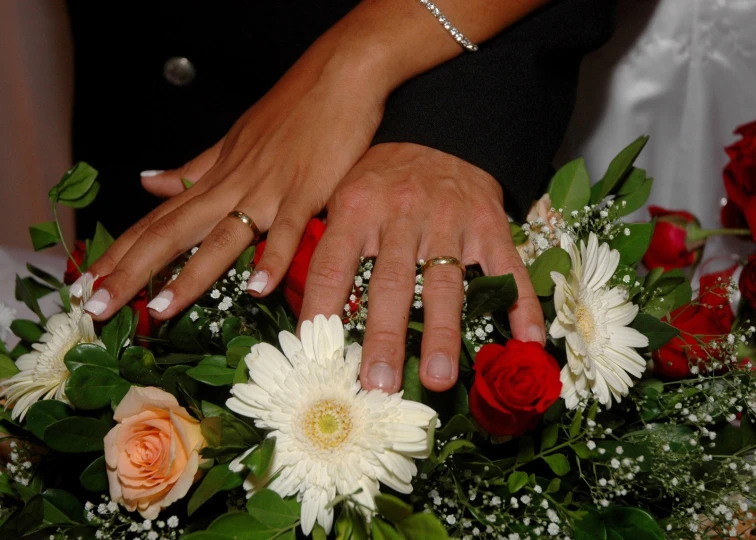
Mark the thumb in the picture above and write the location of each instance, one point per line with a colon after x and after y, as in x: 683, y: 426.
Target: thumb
x: 168, y: 184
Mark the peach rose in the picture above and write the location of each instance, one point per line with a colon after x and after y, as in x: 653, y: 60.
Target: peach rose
x: 152, y: 455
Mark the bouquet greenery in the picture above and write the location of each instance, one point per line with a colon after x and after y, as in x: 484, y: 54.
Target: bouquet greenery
x: 223, y: 424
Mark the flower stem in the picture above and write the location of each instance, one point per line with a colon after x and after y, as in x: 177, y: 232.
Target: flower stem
x: 62, y: 240
x: 696, y: 234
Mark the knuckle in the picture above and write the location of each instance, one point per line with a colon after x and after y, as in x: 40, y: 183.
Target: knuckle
x: 443, y: 333
x: 488, y: 218
x: 388, y: 340
x: 328, y: 274
x: 351, y: 200
x: 104, y: 264
x: 221, y: 238
x: 443, y: 282
x: 406, y: 197
x: 392, y: 276
x: 287, y: 225
x: 162, y: 229
x: 143, y: 224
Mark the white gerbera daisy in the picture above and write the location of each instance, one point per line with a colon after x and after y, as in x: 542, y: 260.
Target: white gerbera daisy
x: 43, y: 374
x: 332, y: 437
x: 593, y: 318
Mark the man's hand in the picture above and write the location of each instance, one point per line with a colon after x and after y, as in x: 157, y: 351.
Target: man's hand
x: 401, y: 203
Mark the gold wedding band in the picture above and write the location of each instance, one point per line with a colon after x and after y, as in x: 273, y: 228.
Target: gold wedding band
x: 437, y: 261
x: 248, y: 221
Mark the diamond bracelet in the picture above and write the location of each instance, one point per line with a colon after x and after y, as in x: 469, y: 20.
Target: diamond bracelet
x: 456, y: 34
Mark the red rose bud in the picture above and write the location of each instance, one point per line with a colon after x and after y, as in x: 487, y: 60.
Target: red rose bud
x: 747, y: 282
x: 513, y: 387
x: 72, y: 273
x: 139, y: 305
x: 740, y: 173
x: 670, y: 245
x: 699, y: 325
x: 678, y: 238
x: 296, y: 276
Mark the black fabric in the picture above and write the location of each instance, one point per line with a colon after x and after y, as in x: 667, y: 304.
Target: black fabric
x: 503, y: 108
x: 506, y: 107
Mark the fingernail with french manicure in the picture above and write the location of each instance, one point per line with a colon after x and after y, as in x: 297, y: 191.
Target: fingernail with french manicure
x: 257, y: 282
x: 98, y: 303
x: 161, y: 301
x: 77, y: 287
x: 150, y: 173
x: 440, y: 367
x: 382, y: 376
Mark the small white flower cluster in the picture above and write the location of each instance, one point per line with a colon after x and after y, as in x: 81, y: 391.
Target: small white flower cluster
x: 484, y: 514
x: 226, y: 294
x: 112, y: 524
x: 541, y: 235
x: 476, y: 330
x: 7, y: 315
x: 602, y: 218
x: 355, y: 311
x: 19, y: 467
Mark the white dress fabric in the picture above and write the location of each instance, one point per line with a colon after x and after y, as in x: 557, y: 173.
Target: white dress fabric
x: 683, y: 72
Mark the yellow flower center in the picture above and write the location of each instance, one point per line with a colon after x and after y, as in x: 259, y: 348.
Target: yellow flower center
x: 585, y: 323
x: 327, y: 424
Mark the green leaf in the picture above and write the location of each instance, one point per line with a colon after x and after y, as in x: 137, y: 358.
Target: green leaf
x: 185, y: 334
x: 8, y: 367
x: 48, y: 278
x: 516, y: 481
x: 635, y: 200
x: 212, y: 370
x: 549, y: 436
x: 383, y: 531
x: 422, y: 527
x: 577, y: 423
x: 459, y: 424
x: 75, y: 184
x: 525, y: 450
x: 206, y: 535
x: 590, y: 526
x: 558, y: 464
x: 487, y: 294
x: 76, y: 434
x: 26, y: 294
x: 518, y: 237
x: 95, y: 476
x: 137, y: 365
x: 175, y: 380
x: 554, y: 485
x: 117, y: 331
x: 392, y: 508
x: 552, y: 260
x: 86, y: 200
x: 258, y: 461
x: 99, y: 244
x: 44, y: 413
x: 32, y: 514
x: 95, y: 387
x: 632, y: 247
x: 244, y: 260
x: 90, y: 355
x: 618, y: 169
x: 269, y: 508
x: 219, y: 478
x: 230, y: 329
x: 242, y: 526
x: 632, y: 523
x: 62, y: 508
x: 454, y: 447
x: 571, y: 187
x: 748, y: 431
x: 658, y: 332
x: 411, y: 385
x: 241, y: 373
x: 582, y: 450
x: 187, y: 183
x: 238, y: 348
x: 44, y: 235
x: 173, y: 359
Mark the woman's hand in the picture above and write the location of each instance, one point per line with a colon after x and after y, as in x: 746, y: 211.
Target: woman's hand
x: 404, y: 202
x: 278, y: 164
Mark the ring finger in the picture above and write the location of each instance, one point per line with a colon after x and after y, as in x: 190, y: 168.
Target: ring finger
x: 443, y: 295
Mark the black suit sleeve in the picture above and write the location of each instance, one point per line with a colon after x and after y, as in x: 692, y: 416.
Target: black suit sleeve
x: 505, y: 108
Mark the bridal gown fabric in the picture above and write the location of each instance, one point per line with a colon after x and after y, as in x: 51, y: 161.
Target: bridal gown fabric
x: 683, y: 72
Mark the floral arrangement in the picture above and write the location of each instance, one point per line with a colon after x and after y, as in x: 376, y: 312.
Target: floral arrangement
x: 636, y: 420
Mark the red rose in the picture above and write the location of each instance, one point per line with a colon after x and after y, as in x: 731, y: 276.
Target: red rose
x: 670, y: 247
x: 740, y: 179
x: 514, y: 385
x: 139, y: 305
x: 747, y: 281
x: 296, y: 276
x: 699, y: 324
x: 78, y: 253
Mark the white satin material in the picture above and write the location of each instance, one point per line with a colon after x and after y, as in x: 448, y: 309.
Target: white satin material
x: 683, y: 72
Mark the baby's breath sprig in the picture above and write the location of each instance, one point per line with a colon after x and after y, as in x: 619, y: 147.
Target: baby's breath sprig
x: 112, y: 524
